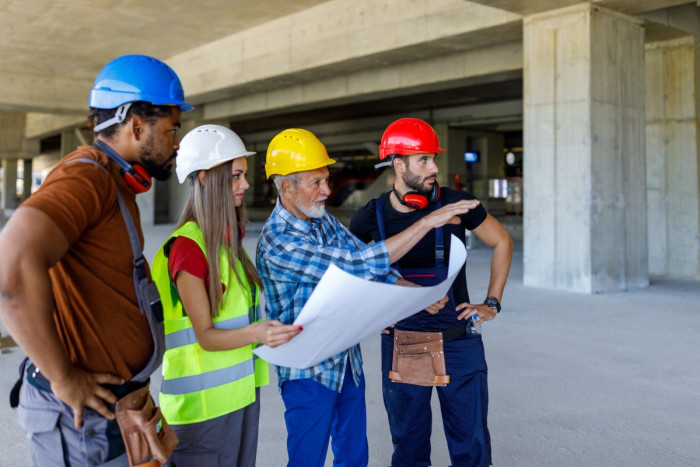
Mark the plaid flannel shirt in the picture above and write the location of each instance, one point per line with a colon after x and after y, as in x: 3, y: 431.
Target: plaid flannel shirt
x: 292, y: 255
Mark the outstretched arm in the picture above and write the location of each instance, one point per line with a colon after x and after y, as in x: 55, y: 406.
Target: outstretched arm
x: 30, y: 244
x: 401, y: 243
x: 291, y: 257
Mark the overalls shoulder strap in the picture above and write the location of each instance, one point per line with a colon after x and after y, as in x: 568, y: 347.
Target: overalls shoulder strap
x: 379, y: 209
x: 439, y: 242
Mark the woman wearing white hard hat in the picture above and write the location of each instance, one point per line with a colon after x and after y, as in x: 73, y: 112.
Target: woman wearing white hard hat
x: 211, y: 380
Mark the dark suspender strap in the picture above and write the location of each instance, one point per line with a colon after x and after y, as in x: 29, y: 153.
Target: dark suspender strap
x: 379, y: 208
x: 439, y: 241
x: 439, y: 238
x: 113, y: 155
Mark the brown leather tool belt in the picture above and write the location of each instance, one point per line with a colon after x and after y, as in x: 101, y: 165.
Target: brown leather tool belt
x: 148, y: 438
x: 419, y: 357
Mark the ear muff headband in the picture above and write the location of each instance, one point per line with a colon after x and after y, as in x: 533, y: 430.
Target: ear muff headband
x: 136, y: 176
x: 416, y: 200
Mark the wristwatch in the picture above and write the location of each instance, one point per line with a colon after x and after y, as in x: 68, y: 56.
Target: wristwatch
x: 492, y: 302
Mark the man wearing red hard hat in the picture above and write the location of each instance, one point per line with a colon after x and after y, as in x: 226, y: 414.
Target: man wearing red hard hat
x: 452, y: 357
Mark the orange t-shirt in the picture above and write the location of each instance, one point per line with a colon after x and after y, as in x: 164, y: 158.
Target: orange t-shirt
x: 96, y: 311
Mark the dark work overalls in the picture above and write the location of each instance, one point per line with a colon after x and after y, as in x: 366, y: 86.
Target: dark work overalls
x: 463, y: 402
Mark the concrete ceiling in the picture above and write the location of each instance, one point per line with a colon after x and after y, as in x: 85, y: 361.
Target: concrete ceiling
x: 43, y: 39
x: 51, y: 50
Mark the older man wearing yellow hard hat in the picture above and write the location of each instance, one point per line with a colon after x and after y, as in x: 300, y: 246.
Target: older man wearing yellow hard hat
x: 298, y: 243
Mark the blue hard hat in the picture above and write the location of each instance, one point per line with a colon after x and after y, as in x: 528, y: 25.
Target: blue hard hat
x: 133, y: 78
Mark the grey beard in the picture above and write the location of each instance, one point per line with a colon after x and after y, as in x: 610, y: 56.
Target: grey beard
x: 312, y: 212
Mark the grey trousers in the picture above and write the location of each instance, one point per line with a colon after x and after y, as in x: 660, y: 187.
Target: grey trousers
x: 230, y: 440
x: 53, y: 439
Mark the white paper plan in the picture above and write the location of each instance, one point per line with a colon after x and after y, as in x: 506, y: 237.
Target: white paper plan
x: 344, y: 309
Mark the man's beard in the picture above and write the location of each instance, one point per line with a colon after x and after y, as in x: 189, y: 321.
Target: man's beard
x: 415, y: 183
x: 161, y: 172
x: 312, y: 212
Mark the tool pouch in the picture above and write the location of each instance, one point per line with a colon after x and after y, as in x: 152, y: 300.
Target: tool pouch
x: 148, y: 438
x: 419, y: 359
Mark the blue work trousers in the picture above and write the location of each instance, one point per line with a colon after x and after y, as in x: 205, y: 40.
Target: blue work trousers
x: 314, y: 414
x: 463, y: 403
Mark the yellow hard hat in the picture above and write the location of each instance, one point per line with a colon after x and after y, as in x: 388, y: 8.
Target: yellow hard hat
x: 295, y: 150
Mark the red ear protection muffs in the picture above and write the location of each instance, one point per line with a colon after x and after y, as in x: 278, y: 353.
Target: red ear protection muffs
x: 136, y: 176
x: 416, y: 200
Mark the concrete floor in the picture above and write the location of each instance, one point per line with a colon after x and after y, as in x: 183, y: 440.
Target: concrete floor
x: 575, y: 380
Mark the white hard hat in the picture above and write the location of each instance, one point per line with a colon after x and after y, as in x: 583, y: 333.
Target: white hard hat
x: 208, y: 146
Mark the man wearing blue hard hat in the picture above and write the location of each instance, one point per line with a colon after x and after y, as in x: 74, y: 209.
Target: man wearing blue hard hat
x: 75, y: 292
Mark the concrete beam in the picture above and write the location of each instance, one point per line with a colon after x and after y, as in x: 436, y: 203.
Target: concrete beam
x: 528, y: 7
x: 30, y: 91
x: 442, y: 72
x: 635, y: 7
x: 336, y: 38
x: 672, y: 23
x: 40, y: 125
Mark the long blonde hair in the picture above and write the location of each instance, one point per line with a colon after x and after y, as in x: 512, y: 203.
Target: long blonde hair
x: 211, y: 205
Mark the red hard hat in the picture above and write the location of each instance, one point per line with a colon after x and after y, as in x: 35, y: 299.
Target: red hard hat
x: 408, y: 136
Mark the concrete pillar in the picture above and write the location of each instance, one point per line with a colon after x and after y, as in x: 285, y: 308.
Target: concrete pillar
x: 584, y: 168
x: 32, y: 150
x: 673, y: 167
x: 27, y: 179
x: 12, y: 133
x: 9, y: 185
x: 11, y: 148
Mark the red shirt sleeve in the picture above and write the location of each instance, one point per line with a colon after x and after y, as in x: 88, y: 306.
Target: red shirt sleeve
x: 185, y: 255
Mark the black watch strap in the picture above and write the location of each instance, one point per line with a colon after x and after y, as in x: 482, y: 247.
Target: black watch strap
x: 492, y: 302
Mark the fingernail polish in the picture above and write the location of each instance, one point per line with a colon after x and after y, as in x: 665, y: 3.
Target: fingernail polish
x: 301, y: 328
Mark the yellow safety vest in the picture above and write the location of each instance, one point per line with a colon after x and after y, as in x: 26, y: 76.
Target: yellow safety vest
x: 199, y: 385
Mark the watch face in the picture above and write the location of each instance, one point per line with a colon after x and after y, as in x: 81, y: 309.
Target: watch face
x: 492, y: 302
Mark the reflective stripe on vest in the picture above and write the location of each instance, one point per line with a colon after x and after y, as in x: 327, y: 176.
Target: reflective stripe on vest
x: 187, y: 336
x: 199, y: 385
x: 208, y: 380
